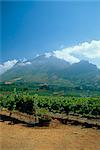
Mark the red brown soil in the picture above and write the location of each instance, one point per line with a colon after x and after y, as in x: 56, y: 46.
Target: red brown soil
x: 61, y: 137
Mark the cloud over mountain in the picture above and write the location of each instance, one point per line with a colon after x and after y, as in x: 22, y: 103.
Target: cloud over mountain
x: 7, y: 65
x: 84, y: 51
x: 24, y: 63
x: 87, y: 50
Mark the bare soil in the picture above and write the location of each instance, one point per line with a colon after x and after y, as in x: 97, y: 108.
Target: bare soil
x: 55, y: 137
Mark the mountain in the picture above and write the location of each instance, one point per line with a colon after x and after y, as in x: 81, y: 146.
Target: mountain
x: 52, y: 70
x: 38, y: 69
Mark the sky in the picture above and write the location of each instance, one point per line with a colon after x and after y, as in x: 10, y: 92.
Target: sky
x: 30, y: 28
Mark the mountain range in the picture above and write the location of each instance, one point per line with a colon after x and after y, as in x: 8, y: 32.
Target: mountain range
x: 53, y: 70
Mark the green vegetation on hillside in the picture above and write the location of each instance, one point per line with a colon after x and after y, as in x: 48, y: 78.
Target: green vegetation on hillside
x: 50, y: 89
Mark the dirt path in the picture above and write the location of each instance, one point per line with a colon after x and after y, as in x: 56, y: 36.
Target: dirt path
x: 63, y: 137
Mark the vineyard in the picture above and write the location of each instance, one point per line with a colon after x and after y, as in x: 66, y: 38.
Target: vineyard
x: 19, y: 111
x: 40, y: 105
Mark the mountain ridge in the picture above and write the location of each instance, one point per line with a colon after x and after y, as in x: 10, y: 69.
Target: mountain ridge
x: 53, y: 70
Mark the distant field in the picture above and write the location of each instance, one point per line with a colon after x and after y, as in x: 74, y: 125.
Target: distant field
x: 49, y: 89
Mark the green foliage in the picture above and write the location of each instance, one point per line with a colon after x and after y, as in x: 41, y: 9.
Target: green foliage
x: 36, y: 104
x: 42, y: 111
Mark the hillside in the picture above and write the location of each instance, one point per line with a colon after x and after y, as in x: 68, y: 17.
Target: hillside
x: 52, y: 70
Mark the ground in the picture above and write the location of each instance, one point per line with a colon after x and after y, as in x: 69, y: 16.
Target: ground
x: 61, y: 137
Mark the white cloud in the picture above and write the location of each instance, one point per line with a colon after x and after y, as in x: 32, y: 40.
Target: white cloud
x: 63, y: 54
x: 47, y: 55
x: 87, y: 50
x: 24, y: 63
x: 7, y: 65
x: 24, y: 60
x: 28, y: 63
x: 10, y: 63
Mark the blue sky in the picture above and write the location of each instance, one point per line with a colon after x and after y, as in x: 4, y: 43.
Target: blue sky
x: 30, y: 28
